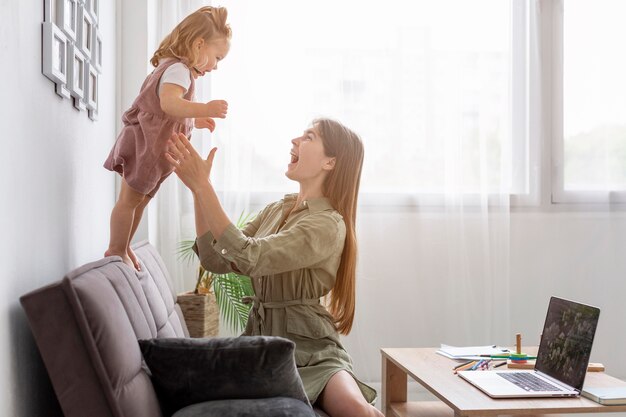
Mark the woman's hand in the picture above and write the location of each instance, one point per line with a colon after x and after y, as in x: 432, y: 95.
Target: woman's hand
x: 193, y: 171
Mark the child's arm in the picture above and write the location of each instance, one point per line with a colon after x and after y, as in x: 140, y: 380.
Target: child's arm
x: 173, y: 103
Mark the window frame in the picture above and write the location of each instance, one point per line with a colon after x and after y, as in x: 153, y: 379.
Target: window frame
x: 559, y: 194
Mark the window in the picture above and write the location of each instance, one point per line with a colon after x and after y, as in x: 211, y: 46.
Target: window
x: 427, y: 84
x: 449, y: 96
x: 590, y: 134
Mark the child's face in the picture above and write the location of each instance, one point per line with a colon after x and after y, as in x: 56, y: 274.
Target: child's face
x: 211, y: 53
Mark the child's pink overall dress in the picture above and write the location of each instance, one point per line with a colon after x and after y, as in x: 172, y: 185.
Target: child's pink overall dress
x: 138, y: 153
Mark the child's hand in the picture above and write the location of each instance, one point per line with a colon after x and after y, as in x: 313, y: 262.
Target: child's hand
x: 217, y: 108
x: 205, y: 123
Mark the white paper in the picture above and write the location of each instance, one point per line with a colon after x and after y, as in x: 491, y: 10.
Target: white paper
x: 471, y: 352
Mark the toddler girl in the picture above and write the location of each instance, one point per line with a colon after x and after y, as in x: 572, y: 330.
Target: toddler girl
x: 164, y: 107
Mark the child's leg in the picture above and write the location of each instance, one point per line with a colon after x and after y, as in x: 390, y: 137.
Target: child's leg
x: 122, y: 222
x: 342, y: 398
x: 136, y: 221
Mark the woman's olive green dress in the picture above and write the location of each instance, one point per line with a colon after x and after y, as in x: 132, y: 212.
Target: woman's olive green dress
x: 293, y: 261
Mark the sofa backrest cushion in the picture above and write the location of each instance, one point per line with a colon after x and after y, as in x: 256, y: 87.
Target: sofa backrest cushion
x: 87, y: 326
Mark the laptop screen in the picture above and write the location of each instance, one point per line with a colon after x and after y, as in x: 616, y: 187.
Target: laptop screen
x: 566, y: 341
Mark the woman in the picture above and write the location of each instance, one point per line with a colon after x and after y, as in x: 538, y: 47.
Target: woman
x: 296, y: 251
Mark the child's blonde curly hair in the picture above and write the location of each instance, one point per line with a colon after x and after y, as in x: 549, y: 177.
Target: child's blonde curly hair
x: 208, y: 23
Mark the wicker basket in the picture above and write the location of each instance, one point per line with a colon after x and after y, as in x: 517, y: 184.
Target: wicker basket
x: 201, y: 313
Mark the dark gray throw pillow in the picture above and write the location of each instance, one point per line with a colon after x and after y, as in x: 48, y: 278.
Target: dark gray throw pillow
x: 188, y: 371
x: 258, y: 407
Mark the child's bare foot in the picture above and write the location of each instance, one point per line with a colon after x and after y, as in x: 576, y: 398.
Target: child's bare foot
x: 133, y: 258
x: 124, y: 256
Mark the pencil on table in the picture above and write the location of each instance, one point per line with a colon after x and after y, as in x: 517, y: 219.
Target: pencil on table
x: 462, y: 364
x: 466, y: 366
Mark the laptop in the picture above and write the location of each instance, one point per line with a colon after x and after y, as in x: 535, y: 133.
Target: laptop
x: 562, y: 357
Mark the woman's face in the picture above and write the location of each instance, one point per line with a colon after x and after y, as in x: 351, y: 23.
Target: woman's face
x: 211, y: 53
x: 308, y: 160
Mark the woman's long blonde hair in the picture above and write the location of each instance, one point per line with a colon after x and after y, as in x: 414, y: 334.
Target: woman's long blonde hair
x: 208, y: 23
x: 341, y: 187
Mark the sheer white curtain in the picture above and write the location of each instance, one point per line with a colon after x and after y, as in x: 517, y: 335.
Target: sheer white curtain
x: 440, y: 93
x: 171, y: 214
x: 445, y: 95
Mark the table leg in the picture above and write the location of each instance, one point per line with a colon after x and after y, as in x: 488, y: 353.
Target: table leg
x: 394, y: 385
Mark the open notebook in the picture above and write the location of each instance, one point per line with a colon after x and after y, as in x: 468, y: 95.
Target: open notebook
x: 562, y: 358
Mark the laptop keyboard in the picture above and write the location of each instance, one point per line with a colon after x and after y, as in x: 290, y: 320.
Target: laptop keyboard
x: 528, y: 381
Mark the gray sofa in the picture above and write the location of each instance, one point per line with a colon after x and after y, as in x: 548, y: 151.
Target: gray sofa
x: 87, y: 328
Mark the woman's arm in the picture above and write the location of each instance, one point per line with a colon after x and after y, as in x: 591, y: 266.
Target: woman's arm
x: 211, y: 220
x: 311, y: 242
x: 173, y: 103
x: 210, y: 258
x: 194, y: 172
x: 210, y: 216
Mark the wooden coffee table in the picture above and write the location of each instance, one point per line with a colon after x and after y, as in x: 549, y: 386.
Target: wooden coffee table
x: 459, y: 398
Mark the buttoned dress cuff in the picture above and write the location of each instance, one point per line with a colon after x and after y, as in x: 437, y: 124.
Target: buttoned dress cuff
x: 203, y: 244
x: 209, y: 258
x: 230, y: 244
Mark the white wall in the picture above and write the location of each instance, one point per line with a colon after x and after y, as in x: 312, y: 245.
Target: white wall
x: 576, y: 255
x: 55, y: 196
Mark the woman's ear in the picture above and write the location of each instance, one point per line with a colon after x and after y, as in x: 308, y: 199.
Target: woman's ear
x: 329, y: 165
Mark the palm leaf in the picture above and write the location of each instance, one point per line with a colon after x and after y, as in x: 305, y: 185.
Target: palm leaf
x: 244, y: 219
x: 229, y: 290
x: 185, y: 251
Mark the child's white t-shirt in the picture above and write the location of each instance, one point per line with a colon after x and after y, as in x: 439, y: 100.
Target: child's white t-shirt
x: 177, y: 74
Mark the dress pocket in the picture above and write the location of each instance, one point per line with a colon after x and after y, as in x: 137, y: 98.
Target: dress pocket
x: 302, y: 358
x: 308, y: 324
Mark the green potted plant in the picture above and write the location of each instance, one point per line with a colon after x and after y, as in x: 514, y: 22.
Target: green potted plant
x: 214, y: 295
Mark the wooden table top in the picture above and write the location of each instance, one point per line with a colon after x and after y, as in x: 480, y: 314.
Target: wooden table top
x: 434, y: 372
